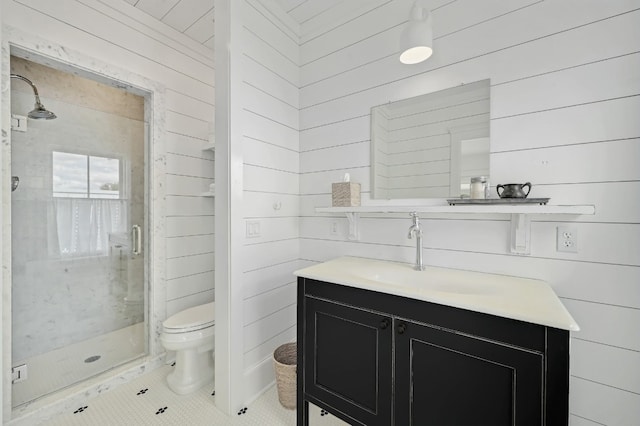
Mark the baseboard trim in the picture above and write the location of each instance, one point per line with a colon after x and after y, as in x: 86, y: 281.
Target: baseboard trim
x: 258, y: 379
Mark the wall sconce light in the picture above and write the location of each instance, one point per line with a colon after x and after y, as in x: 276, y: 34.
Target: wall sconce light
x: 416, y: 40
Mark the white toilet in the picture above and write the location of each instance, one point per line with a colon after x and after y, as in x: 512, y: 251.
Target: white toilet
x: 191, y: 334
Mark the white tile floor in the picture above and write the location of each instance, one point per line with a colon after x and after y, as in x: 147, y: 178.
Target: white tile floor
x: 148, y: 401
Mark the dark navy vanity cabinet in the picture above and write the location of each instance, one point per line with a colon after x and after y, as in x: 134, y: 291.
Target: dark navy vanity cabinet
x: 378, y: 359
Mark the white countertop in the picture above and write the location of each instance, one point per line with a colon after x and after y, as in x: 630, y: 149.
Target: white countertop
x: 510, y: 297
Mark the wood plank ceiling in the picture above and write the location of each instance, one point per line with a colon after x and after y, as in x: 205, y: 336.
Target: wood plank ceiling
x: 194, y: 18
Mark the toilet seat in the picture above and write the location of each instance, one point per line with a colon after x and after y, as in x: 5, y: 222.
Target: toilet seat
x: 192, y: 319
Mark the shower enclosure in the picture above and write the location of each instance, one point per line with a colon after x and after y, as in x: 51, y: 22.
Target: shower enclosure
x: 78, y: 215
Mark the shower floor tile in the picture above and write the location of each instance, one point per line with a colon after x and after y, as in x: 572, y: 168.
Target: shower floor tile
x: 60, y: 368
x: 148, y: 401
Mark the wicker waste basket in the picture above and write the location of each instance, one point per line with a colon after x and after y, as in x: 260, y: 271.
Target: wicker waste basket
x: 284, y: 360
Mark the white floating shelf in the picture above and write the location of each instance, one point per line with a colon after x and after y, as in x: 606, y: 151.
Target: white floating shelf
x: 475, y: 208
x: 207, y: 194
x: 520, y: 219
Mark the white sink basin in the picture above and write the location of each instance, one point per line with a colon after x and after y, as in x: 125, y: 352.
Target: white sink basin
x: 399, y: 275
x: 506, y: 296
x: 460, y: 288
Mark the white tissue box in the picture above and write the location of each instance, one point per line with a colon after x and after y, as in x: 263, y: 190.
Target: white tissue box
x: 345, y: 194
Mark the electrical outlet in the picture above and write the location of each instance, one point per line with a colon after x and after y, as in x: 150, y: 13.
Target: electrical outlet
x: 567, y: 238
x: 334, y: 228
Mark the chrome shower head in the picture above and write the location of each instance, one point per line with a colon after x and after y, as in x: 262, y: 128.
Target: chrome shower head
x: 39, y: 112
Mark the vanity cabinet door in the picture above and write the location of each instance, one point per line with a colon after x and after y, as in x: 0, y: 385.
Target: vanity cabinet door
x: 348, y: 360
x: 448, y: 378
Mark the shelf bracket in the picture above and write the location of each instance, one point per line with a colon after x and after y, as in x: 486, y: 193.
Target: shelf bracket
x: 520, y: 234
x: 354, y: 226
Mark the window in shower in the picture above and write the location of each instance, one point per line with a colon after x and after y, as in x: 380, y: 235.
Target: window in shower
x: 85, y: 176
x: 88, y: 204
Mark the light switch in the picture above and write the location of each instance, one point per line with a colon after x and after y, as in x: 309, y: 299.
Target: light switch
x: 253, y: 229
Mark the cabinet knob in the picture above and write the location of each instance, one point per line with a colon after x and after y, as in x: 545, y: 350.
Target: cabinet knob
x: 384, y: 323
x: 401, y: 328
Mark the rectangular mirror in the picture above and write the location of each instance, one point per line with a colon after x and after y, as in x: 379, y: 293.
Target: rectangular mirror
x: 431, y: 145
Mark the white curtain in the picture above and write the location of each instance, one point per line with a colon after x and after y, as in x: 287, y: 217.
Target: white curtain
x: 81, y: 226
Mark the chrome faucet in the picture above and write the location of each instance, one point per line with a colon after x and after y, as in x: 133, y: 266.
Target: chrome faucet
x: 416, y: 230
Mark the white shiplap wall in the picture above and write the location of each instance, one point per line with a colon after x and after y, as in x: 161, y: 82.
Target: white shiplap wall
x: 263, y: 162
x: 119, y: 34
x: 270, y: 81
x: 565, y: 102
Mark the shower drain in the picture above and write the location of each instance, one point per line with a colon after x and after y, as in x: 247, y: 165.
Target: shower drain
x: 92, y: 358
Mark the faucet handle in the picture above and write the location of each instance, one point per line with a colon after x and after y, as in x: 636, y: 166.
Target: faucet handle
x: 415, y: 227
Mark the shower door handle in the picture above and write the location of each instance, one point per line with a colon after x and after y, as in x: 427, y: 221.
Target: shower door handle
x: 136, y: 238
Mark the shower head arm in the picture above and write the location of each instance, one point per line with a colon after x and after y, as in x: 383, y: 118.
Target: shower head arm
x: 39, y: 112
x: 30, y: 83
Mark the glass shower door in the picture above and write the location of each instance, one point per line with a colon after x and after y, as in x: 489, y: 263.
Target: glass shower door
x: 77, y: 215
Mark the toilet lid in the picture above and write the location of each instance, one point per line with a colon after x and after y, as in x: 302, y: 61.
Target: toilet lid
x: 191, y: 319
